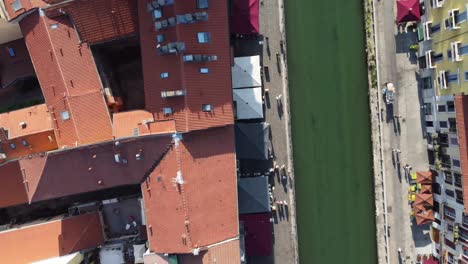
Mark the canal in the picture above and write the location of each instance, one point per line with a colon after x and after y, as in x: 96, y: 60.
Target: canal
x: 331, y: 131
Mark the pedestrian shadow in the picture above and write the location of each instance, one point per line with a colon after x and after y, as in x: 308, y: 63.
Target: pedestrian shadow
x: 422, y: 109
x: 389, y: 116
x: 393, y: 160
x: 267, y: 41
x: 267, y: 100
x: 280, y: 108
x: 398, y: 169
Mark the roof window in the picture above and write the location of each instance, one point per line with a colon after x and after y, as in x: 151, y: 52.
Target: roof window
x: 204, y: 70
x: 65, y: 115
x: 202, y: 4
x: 16, y: 5
x: 203, y: 37
x: 164, y: 75
x: 11, y: 52
x: 167, y: 110
x: 160, y: 38
x: 157, y: 13
x: 54, y: 26
x: 207, y: 108
x: 24, y: 142
x: 12, y: 146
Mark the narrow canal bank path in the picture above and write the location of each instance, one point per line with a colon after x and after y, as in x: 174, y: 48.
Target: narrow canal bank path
x: 331, y: 131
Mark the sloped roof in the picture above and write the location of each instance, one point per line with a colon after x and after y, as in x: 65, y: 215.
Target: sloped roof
x: 132, y: 123
x: 245, y: 17
x: 212, y: 88
x: 424, y: 217
x: 249, y: 103
x: 224, y: 252
x: 92, y: 168
x: 253, y: 195
x: 246, y: 72
x: 37, y: 119
x: 12, y: 191
x: 252, y: 140
x: 16, y: 67
x: 50, y: 239
x: 203, y: 210
x: 461, y: 112
x: 424, y: 199
x: 258, y: 234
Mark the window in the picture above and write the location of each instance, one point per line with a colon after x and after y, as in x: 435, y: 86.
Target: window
x: 429, y: 123
x: 164, y: 75
x: 12, y: 146
x: 459, y: 197
x: 11, y: 52
x: 452, y: 78
x: 450, y: 212
x: 453, y: 124
x: 435, y: 28
x: 443, y: 124
x: 202, y: 3
x: 24, y: 142
x: 427, y: 83
x: 204, y: 70
x: 466, y: 76
x: 437, y: 57
x: 427, y: 108
x: 157, y: 13
x: 458, y: 179
x: 450, y: 106
x: 448, y: 177
x: 449, y: 227
x: 207, y: 108
x: 441, y: 108
x: 54, y: 26
x: 436, y: 188
x: 203, y: 37
x: 450, y: 193
x: 160, y: 38
x: 16, y: 5
x: 454, y: 141
x: 167, y: 110
x: 65, y: 115
x: 456, y: 163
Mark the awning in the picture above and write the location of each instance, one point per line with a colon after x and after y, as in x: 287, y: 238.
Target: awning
x: 252, y: 140
x: 245, y: 17
x: 424, y: 217
x: 246, y: 72
x: 248, y: 103
x: 408, y: 10
x: 424, y: 177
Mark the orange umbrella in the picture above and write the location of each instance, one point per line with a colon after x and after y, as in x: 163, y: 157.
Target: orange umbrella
x: 424, y: 217
x: 424, y: 177
x: 424, y: 199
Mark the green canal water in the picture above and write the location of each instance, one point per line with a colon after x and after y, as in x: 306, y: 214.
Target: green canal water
x: 331, y: 131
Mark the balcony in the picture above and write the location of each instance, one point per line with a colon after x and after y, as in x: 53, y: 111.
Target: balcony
x: 171, y: 48
x: 430, y: 63
x: 455, y: 51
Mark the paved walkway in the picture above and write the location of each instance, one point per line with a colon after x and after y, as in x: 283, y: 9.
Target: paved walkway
x: 274, y: 57
x: 398, y: 66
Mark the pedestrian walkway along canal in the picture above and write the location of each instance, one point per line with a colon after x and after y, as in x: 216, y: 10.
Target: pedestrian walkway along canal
x: 331, y: 131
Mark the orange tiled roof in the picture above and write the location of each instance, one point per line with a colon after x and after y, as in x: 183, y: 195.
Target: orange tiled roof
x: 139, y: 122
x: 37, y: 119
x: 424, y: 177
x: 213, y: 88
x: 461, y: 109
x: 206, y: 161
x: 26, y: 6
x: 51, y: 239
x: 225, y: 253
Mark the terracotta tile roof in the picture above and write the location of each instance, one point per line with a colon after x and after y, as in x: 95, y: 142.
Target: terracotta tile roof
x: 213, y: 88
x: 92, y: 168
x: 424, y: 217
x: 461, y: 109
x: 50, y: 239
x: 102, y: 20
x: 37, y: 119
x: 424, y: 177
x: 424, y: 199
x: 26, y: 5
x: 132, y: 123
x: 69, y: 80
x: 16, y: 67
x: 206, y: 161
x: 223, y: 253
x: 12, y: 190
x: 258, y: 234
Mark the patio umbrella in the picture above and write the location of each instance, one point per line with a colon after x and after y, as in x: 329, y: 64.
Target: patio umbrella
x: 424, y: 199
x: 424, y: 217
x: 408, y: 10
x: 424, y: 177
x: 426, y: 189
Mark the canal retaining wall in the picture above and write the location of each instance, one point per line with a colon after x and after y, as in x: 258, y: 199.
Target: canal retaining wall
x: 372, y: 50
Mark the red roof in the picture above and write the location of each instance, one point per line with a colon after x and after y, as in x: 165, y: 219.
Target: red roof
x: 139, y: 122
x: 92, y: 168
x: 12, y: 191
x: 69, y: 80
x: 245, y: 19
x: 37, y: 119
x: 51, y: 239
x: 225, y: 253
x: 258, y: 234
x: 408, y: 10
x: 26, y: 5
x: 102, y: 20
x: 424, y: 177
x: 213, y: 88
x: 181, y: 218
x: 16, y: 67
x: 461, y: 109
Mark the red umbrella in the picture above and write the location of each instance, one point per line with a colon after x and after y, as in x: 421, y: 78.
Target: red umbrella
x: 408, y: 10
